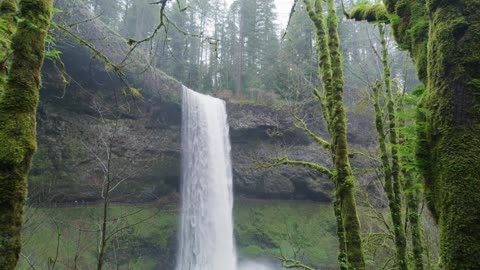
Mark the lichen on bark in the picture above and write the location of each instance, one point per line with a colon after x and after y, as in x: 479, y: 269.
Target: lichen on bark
x: 18, y: 104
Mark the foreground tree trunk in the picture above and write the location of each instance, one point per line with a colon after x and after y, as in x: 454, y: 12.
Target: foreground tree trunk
x: 443, y: 38
x: 18, y: 106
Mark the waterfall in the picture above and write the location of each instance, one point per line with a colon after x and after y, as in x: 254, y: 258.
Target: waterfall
x: 206, y: 232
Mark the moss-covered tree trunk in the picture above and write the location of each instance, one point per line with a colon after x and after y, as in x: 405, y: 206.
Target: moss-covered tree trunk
x: 315, y: 13
x: 395, y: 209
x: 452, y: 158
x: 330, y: 68
x: 8, y: 11
x: 444, y: 40
x: 345, y: 182
x: 18, y: 105
x: 392, y: 182
x: 413, y: 212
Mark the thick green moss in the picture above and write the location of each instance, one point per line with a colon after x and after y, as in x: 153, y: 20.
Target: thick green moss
x: 369, y: 13
x: 445, y: 46
x: 18, y: 105
x: 409, y: 23
x: 452, y: 129
x: 8, y: 10
x: 344, y: 179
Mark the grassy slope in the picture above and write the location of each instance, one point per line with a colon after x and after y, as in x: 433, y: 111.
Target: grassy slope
x: 263, y: 229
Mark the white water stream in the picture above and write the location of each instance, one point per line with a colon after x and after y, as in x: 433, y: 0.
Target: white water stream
x: 206, y: 233
x: 206, y: 239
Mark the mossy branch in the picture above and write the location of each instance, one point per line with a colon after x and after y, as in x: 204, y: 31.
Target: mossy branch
x: 293, y: 264
x: 372, y: 13
x: 301, y: 124
x: 117, y: 69
x: 281, y: 161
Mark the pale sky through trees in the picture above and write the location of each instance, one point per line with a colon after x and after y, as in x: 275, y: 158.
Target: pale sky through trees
x: 283, y: 10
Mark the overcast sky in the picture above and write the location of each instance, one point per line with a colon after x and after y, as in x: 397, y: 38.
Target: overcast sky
x: 283, y: 10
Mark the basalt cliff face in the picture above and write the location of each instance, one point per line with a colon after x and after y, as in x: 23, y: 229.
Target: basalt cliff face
x: 77, y: 132
x: 92, y: 129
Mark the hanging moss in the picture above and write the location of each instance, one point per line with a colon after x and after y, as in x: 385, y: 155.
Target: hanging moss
x: 18, y: 106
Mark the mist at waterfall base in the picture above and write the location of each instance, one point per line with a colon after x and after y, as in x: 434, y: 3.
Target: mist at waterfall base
x: 206, y: 239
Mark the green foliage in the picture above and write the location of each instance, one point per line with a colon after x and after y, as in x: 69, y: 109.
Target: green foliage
x: 282, y: 228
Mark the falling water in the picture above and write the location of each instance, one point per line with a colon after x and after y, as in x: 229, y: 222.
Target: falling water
x: 206, y: 233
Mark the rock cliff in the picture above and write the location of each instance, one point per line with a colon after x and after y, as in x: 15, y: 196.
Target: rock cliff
x: 82, y: 124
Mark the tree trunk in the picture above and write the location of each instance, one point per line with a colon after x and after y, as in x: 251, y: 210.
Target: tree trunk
x: 345, y: 182
x: 392, y: 183
x: 330, y: 68
x: 443, y: 38
x: 18, y: 107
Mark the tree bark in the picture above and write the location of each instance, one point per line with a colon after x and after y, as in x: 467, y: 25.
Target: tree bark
x: 330, y: 68
x: 443, y: 38
x: 392, y: 183
x: 18, y: 105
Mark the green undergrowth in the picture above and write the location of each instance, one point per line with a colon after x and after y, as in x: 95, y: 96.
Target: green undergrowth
x: 266, y: 229
x: 146, y: 240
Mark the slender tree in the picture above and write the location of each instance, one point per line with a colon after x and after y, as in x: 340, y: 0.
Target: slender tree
x: 413, y: 192
x: 333, y: 110
x: 18, y: 107
x: 393, y: 167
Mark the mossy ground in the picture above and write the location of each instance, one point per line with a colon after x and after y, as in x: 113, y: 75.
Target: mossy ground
x: 263, y: 229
